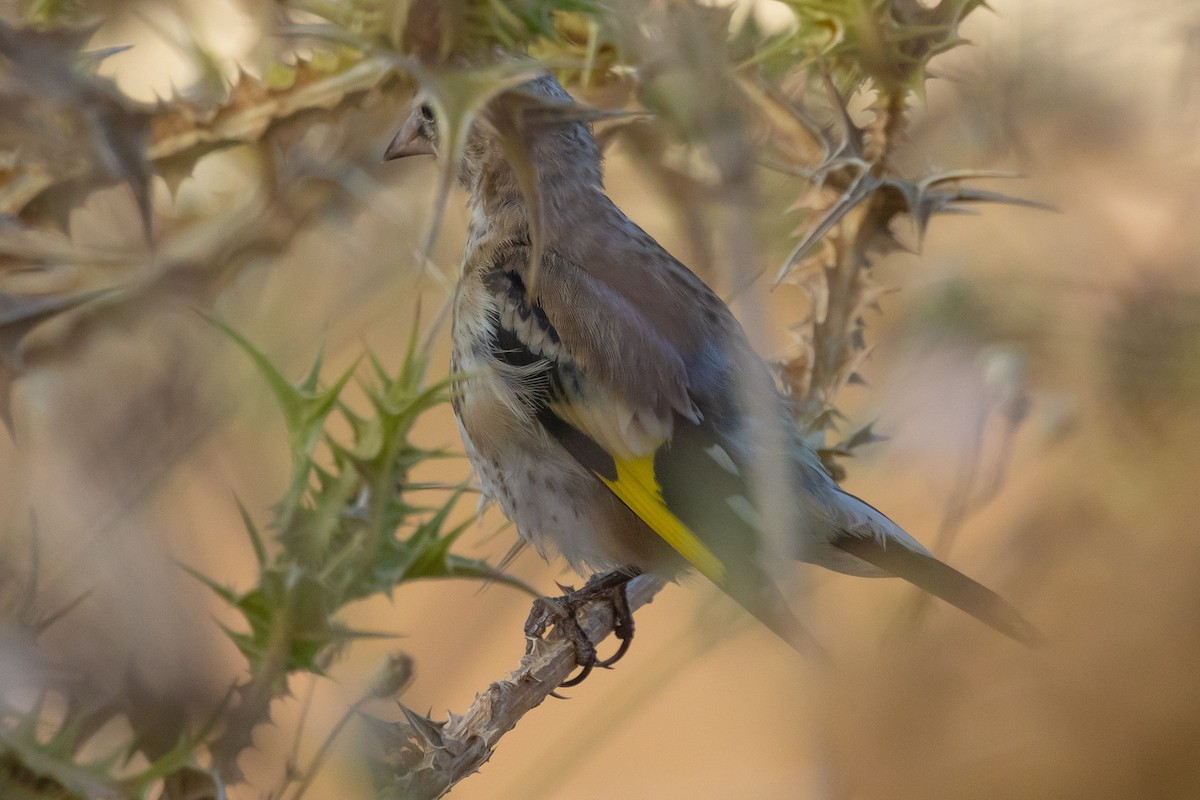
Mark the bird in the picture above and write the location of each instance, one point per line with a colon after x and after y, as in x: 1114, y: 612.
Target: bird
x: 613, y: 406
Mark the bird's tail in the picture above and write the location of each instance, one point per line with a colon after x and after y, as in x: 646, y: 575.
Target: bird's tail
x: 887, y: 547
x: 766, y: 603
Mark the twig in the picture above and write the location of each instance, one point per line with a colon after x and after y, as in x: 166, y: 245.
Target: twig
x: 439, y: 755
x: 972, y: 491
x: 686, y: 648
x: 323, y: 751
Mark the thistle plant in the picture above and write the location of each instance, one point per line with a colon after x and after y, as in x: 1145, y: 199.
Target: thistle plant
x: 823, y: 100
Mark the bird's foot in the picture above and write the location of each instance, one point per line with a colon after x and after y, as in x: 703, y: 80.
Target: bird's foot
x: 560, y: 612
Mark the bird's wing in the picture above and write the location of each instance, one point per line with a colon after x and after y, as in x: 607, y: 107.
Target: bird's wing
x: 591, y: 345
x: 617, y: 400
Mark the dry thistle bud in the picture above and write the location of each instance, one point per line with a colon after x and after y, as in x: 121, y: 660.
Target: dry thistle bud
x: 392, y: 675
x: 1004, y: 382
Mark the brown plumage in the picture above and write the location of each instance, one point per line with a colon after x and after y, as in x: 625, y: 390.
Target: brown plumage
x: 604, y: 401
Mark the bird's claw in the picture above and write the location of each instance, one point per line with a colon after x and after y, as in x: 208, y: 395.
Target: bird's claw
x: 560, y: 612
x: 622, y: 626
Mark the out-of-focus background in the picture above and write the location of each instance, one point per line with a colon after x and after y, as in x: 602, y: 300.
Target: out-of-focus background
x: 1037, y: 374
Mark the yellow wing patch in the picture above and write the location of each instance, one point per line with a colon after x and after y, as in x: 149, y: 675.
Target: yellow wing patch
x: 637, y: 487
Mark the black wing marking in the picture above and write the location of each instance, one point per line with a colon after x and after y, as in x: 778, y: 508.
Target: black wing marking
x: 705, y: 487
x: 509, y: 348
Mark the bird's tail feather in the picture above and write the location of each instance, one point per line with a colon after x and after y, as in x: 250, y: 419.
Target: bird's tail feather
x: 766, y: 603
x: 941, y: 580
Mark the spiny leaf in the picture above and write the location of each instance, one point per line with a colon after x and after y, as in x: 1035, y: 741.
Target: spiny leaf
x: 220, y: 590
x: 431, y: 557
x: 309, y: 384
x: 941, y: 193
x: 430, y: 732
x: 256, y: 541
x: 479, y: 569
x: 90, y: 60
x: 304, y: 407
x: 861, y: 189
x: 861, y: 437
x: 43, y: 74
x: 83, y: 718
x: 57, y: 757
x: 175, y: 134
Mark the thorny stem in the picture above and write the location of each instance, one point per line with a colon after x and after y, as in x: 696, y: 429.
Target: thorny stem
x: 675, y: 655
x: 256, y: 697
x: 466, y: 742
x: 830, y: 336
x: 894, y: 123
x: 291, y: 768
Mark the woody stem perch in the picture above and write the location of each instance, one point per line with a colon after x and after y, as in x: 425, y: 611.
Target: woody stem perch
x: 445, y: 753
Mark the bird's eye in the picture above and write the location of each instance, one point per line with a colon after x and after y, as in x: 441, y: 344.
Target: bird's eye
x: 426, y: 112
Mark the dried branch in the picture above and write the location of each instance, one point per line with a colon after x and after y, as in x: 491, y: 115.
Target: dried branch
x: 180, y: 131
x: 428, y: 758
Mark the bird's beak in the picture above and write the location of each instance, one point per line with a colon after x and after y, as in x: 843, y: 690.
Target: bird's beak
x: 408, y: 141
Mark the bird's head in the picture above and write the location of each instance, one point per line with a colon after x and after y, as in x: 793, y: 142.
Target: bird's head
x: 418, y: 136
x: 537, y: 123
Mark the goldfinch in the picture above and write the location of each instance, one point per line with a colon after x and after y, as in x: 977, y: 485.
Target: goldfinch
x: 604, y: 402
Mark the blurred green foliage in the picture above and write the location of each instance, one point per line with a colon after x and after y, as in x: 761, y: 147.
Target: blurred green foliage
x: 348, y: 528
